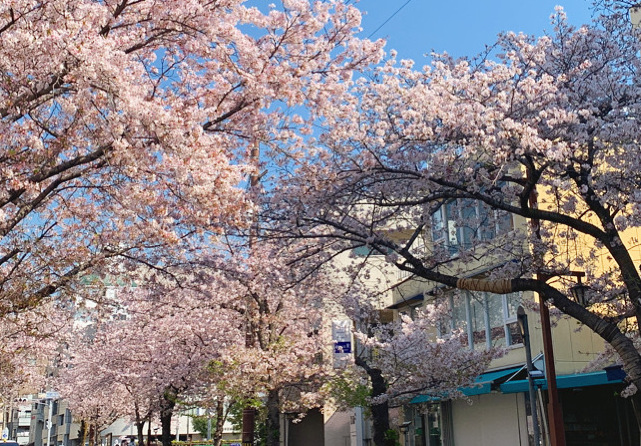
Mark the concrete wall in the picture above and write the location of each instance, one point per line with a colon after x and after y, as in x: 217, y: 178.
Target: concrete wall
x: 337, y: 428
x: 491, y: 420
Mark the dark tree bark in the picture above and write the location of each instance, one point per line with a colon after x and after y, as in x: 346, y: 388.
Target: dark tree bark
x: 220, y: 421
x: 82, y: 432
x: 380, y: 412
x: 167, y: 405
x: 149, y: 431
x: 92, y: 434
x: 272, y: 424
x: 140, y: 424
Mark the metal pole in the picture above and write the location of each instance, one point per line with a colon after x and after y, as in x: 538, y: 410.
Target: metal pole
x: 208, y: 425
x: 555, y: 416
x: 525, y: 332
x: 49, y: 421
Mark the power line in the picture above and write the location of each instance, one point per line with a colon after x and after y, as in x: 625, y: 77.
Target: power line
x: 389, y: 18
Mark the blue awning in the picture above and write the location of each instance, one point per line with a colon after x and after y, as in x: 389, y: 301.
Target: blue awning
x: 565, y: 381
x: 482, y: 384
x: 424, y: 399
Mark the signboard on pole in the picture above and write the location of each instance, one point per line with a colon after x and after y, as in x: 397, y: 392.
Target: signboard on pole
x: 342, y: 336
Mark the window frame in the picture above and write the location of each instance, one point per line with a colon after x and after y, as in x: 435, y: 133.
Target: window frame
x: 507, y: 319
x: 445, y: 230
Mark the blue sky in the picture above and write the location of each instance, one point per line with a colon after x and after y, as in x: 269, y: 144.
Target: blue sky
x: 461, y: 27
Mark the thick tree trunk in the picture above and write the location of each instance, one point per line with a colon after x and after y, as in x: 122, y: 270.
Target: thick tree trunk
x: 140, y: 428
x: 149, y: 430
x: 140, y: 425
x: 380, y: 412
x: 167, y: 405
x: 83, y: 432
x: 220, y: 421
x: 92, y: 435
x: 272, y: 424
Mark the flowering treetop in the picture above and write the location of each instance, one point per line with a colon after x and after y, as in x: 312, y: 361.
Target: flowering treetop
x: 423, y: 165
x: 125, y: 123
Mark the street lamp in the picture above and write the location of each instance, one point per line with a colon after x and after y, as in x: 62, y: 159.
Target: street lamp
x: 405, y: 429
x: 525, y: 333
x: 579, y: 292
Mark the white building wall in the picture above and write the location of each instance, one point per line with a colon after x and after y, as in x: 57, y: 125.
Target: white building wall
x: 337, y: 428
x: 491, y: 420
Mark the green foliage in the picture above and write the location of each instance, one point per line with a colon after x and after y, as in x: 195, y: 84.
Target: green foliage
x: 235, y: 417
x: 200, y: 424
x: 392, y: 437
x: 347, y: 391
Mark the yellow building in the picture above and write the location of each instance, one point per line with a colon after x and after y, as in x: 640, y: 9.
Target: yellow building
x: 497, y: 410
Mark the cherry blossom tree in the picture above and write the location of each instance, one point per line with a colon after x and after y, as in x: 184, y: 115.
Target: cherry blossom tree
x: 27, y: 342
x: 434, y: 167
x: 182, y: 340
x: 149, y: 359
x: 125, y: 124
x: 284, y: 308
x: 397, y: 360
x: 122, y: 119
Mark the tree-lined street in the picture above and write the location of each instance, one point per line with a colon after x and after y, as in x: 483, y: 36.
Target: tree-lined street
x: 193, y: 192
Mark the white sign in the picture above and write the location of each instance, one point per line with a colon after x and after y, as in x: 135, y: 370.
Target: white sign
x: 342, y: 336
x: 52, y: 395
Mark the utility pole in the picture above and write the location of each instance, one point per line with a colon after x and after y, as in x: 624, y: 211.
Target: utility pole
x: 555, y: 416
x: 208, y: 424
x: 49, y: 421
x: 525, y: 333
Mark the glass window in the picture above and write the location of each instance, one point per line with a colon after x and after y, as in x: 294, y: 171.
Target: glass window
x: 434, y: 425
x: 514, y: 334
x: 419, y: 428
x: 437, y: 226
x: 487, y: 320
x: 477, y: 318
x: 459, y: 314
x: 461, y: 222
x: 486, y: 223
x: 504, y: 222
x: 497, y: 320
x: 451, y: 216
x: 469, y: 223
x: 512, y: 300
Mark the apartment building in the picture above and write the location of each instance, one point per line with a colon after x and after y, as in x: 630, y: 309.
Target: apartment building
x: 497, y: 410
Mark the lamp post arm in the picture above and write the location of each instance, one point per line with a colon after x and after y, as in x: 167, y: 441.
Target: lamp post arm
x: 608, y: 331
